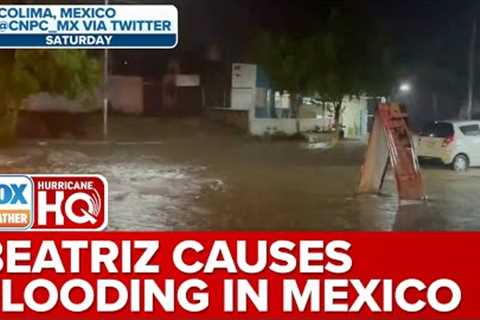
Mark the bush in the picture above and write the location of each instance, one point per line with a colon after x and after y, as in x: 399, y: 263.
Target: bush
x: 8, y: 122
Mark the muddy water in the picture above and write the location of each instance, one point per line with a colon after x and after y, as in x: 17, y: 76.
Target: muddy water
x: 196, y: 176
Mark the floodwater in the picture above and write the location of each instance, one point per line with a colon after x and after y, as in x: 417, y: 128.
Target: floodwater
x: 193, y: 175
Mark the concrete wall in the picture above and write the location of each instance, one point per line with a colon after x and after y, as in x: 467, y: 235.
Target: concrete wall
x: 187, y: 80
x: 260, y: 127
x: 256, y: 120
x: 242, y: 120
x: 314, y: 124
x: 233, y: 118
x: 45, y: 102
x: 126, y: 94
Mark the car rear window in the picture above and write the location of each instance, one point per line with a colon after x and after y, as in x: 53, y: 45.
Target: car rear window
x: 438, y: 130
x: 429, y: 130
x: 471, y: 130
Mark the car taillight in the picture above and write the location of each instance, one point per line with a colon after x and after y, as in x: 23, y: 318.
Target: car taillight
x: 448, y: 140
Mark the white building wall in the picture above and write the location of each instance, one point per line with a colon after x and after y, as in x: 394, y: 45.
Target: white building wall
x: 314, y: 124
x: 244, y: 82
x: 355, y: 117
x: 260, y: 127
x: 244, y: 75
x: 243, y: 99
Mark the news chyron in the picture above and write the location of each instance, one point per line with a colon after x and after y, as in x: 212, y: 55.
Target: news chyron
x: 53, y: 203
x: 88, y: 26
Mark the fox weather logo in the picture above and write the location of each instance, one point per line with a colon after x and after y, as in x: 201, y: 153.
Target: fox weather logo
x: 16, y: 202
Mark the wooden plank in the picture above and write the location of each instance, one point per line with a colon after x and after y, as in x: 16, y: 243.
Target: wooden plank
x: 391, y: 139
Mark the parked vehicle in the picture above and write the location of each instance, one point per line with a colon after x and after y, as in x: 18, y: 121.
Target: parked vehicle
x: 454, y: 143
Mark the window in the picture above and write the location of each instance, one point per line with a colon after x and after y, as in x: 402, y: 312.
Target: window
x: 438, y: 130
x: 444, y: 130
x: 472, y: 130
x: 429, y: 130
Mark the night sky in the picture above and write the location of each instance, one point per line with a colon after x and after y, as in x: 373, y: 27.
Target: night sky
x: 430, y: 38
x: 221, y: 20
x: 413, y: 25
x: 416, y: 27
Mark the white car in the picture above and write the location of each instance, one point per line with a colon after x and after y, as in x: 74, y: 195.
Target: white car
x: 455, y: 143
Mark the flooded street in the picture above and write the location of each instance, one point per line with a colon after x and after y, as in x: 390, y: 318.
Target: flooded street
x: 192, y: 175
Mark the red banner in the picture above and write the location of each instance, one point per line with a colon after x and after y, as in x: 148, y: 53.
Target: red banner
x: 239, y: 275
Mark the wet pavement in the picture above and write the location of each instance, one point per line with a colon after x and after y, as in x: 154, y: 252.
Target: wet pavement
x: 192, y: 175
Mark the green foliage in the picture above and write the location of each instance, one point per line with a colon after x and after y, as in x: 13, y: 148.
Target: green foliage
x: 66, y: 72
x: 26, y: 72
x: 282, y: 59
x: 347, y: 56
x: 62, y: 72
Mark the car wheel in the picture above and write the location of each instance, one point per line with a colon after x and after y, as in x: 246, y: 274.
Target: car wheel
x: 460, y: 163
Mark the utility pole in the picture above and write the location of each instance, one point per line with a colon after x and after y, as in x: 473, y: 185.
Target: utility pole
x: 106, y: 62
x: 471, y: 70
x: 105, y: 90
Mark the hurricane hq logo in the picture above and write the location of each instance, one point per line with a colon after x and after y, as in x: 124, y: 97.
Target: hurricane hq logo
x: 16, y: 202
x: 70, y: 203
x: 88, y: 215
x: 53, y: 203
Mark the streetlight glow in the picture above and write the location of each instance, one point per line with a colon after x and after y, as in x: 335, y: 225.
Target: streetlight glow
x: 405, y: 87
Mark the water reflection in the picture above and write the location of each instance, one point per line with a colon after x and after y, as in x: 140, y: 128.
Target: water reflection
x: 419, y: 217
x: 199, y: 179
